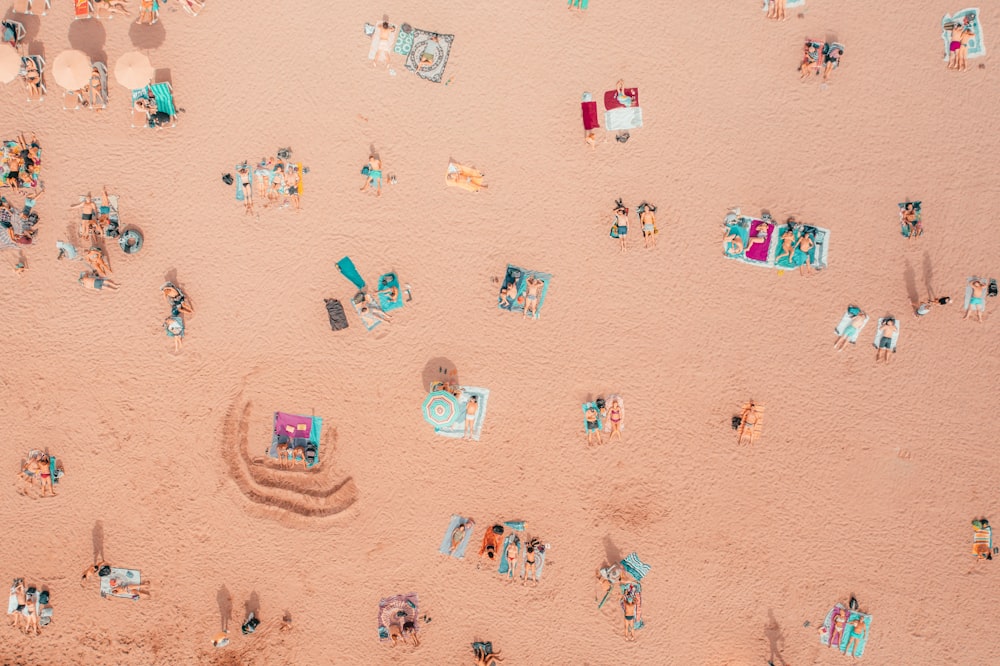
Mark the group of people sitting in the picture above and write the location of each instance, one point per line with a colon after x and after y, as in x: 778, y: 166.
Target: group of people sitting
x: 30, y: 607
x: 179, y: 306
x: 38, y: 473
x: 22, y: 161
x: 820, y: 57
x: 647, y: 220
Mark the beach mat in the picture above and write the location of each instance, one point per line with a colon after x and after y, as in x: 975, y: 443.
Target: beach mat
x: 844, y: 322
x: 968, y: 294
x: 519, y: 276
x: 437, y: 45
x: 299, y: 431
x: 976, y: 47
x: 623, y: 118
x: 123, y: 576
x: 878, y: 335
x: 611, y: 99
x: 347, y: 269
x: 335, y: 313
x: 454, y: 523
x: 588, y: 110
x: 456, y: 429
x: 396, y: 610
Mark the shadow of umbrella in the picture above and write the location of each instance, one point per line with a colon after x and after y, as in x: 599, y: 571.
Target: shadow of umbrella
x: 89, y: 37
x: 147, y: 36
x: 438, y: 369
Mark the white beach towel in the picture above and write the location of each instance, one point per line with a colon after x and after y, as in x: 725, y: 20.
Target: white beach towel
x: 623, y: 118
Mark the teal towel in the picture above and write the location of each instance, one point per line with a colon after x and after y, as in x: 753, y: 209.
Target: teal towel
x: 164, y: 98
x: 348, y: 270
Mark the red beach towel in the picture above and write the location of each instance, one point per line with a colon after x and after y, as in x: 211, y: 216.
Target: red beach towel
x: 590, y: 119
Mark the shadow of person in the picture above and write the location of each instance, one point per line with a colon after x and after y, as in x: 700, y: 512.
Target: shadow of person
x: 225, y: 601
x: 98, y: 536
x: 911, y: 284
x: 775, y: 640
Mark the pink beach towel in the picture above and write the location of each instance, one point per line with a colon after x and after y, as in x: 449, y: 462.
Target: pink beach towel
x: 301, y: 425
x: 760, y: 250
x: 611, y: 98
x: 590, y: 119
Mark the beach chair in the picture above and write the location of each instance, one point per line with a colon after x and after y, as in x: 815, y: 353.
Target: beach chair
x: 72, y: 100
x: 14, y: 31
x: 28, y: 6
x: 164, y: 96
x: 100, y: 101
x: 83, y: 9
x: 39, y: 63
x: 139, y: 118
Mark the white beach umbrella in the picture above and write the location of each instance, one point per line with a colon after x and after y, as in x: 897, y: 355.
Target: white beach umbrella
x: 133, y: 70
x: 71, y: 69
x: 10, y: 63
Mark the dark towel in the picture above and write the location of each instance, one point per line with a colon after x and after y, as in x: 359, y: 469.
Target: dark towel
x: 589, y: 110
x: 334, y: 310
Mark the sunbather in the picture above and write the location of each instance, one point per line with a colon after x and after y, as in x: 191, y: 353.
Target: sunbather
x: 31, y: 614
x: 759, y: 237
x: 961, y: 34
x: 192, y: 7
x: 621, y: 226
x: 810, y: 58
x: 858, y: 629
x: 32, y: 79
x: 30, y: 470
x: 374, y: 176
x: 749, y: 418
x: 831, y: 59
x: 386, y: 38
x: 120, y: 587
x: 458, y: 535
x: 483, y: 652
x: 532, y: 292
x: 292, y: 185
x: 147, y: 14
x: 925, y: 307
x: 112, y: 6
x: 887, y: 331
x: 178, y: 301
x: 911, y: 220
x: 174, y: 326
x: 591, y: 424
x: 45, y: 475
x: 492, y: 540
x: 734, y: 244
x: 93, y: 281
x: 852, y: 328
x: 277, y: 182
x: 99, y: 569
x: 616, y: 418
x: 90, y: 227
x: 628, y: 610
x: 26, y: 238
x: 20, y: 602
x: 805, y: 244
x: 512, y: 554
x: 470, y: 418
x: 787, y: 243
x: 244, y: 175
x: 530, y: 558
x: 776, y: 10
x: 95, y: 257
x: 647, y: 218
x: 976, y: 301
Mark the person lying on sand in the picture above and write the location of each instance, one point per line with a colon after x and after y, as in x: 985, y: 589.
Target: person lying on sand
x: 976, y: 301
x: 853, y: 326
x: 647, y: 218
x: 512, y: 554
x: 888, y: 330
x: 484, y: 654
x: 90, y: 229
x: 20, y: 599
x: 113, y: 7
x: 95, y: 257
x: 492, y: 541
x: 531, y: 552
x: 961, y: 34
x: 21, y: 239
x: 470, y: 418
x: 592, y: 425
x: 787, y: 243
x: 244, y: 184
x: 178, y: 301
x: 628, y: 611
x: 32, y: 79
x: 99, y: 568
x: 615, y: 417
x: 532, y: 292
x: 192, y: 7
x: 94, y: 281
x: 386, y: 38
x: 121, y: 588
x: 735, y: 244
x: 759, y: 237
x: 374, y: 176
x: 458, y: 535
x: 909, y: 217
x: 749, y: 418
x: 810, y: 58
x: 405, y: 633
x: 831, y: 60
x: 858, y: 628
x: 805, y: 244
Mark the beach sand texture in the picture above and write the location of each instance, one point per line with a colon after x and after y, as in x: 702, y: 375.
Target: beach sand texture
x: 863, y: 483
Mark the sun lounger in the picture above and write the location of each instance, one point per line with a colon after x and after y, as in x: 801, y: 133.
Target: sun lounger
x: 40, y: 66
x: 459, y: 552
x: 456, y: 430
x: 83, y: 9
x: 976, y: 47
x: 519, y: 276
x: 302, y: 433
x: 121, y: 577
x: 845, y: 321
x: 335, y: 313
x: 99, y: 101
x: 968, y: 295
x: 396, y: 610
x: 17, y: 29
x: 878, y: 335
x: 29, y: 6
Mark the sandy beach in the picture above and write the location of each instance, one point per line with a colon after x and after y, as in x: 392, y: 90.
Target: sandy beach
x: 864, y: 479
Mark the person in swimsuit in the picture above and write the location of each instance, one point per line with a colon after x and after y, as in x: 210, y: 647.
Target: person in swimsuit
x: 458, y: 535
x: 759, y: 237
x: 734, y: 244
x: 647, y: 218
x: 961, y: 34
x: 92, y: 281
x: 532, y: 292
x: 90, y: 228
x: 21, y: 599
x: 858, y: 629
x: 887, y: 331
x: 787, y: 244
x: 470, y: 418
x: 492, y: 540
x: 374, y: 175
x: 836, y: 628
x: 174, y: 326
x: 831, y: 60
x: 30, y: 199
x: 45, y: 475
x: 262, y: 177
x: 855, y: 324
x: 615, y: 416
x: 21, y: 239
x: 512, y: 553
x: 95, y: 257
x: 95, y: 90
x: 628, y: 609
x: 178, y: 301
x: 748, y: 422
x: 810, y: 58
x: 530, y: 558
x: 621, y: 222
x: 121, y: 588
x: 277, y: 182
x: 910, y: 218
x: 776, y: 10
x: 976, y: 301
x: 592, y: 424
x: 32, y: 79
x: 386, y: 38
x: 805, y: 244
x: 925, y: 307
x: 99, y: 569
x: 292, y: 185
x: 244, y: 174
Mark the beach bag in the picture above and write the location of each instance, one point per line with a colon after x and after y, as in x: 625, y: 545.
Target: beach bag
x: 104, y: 571
x: 43, y: 597
x: 854, y: 311
x: 365, y: 170
x: 227, y: 178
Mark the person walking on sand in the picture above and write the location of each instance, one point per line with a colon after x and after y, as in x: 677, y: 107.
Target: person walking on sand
x: 888, y: 331
x: 532, y: 292
x: 925, y: 307
x: 976, y: 301
x: 853, y: 326
x: 470, y: 417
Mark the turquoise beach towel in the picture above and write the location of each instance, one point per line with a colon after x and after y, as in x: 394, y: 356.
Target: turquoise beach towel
x: 600, y: 421
x: 968, y: 294
x: 520, y: 277
x: 164, y: 98
x: 859, y: 648
x: 389, y: 281
x: 844, y: 322
x: 455, y: 522
x: 742, y: 232
x: 878, y: 335
x: 348, y: 270
x: 976, y: 47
